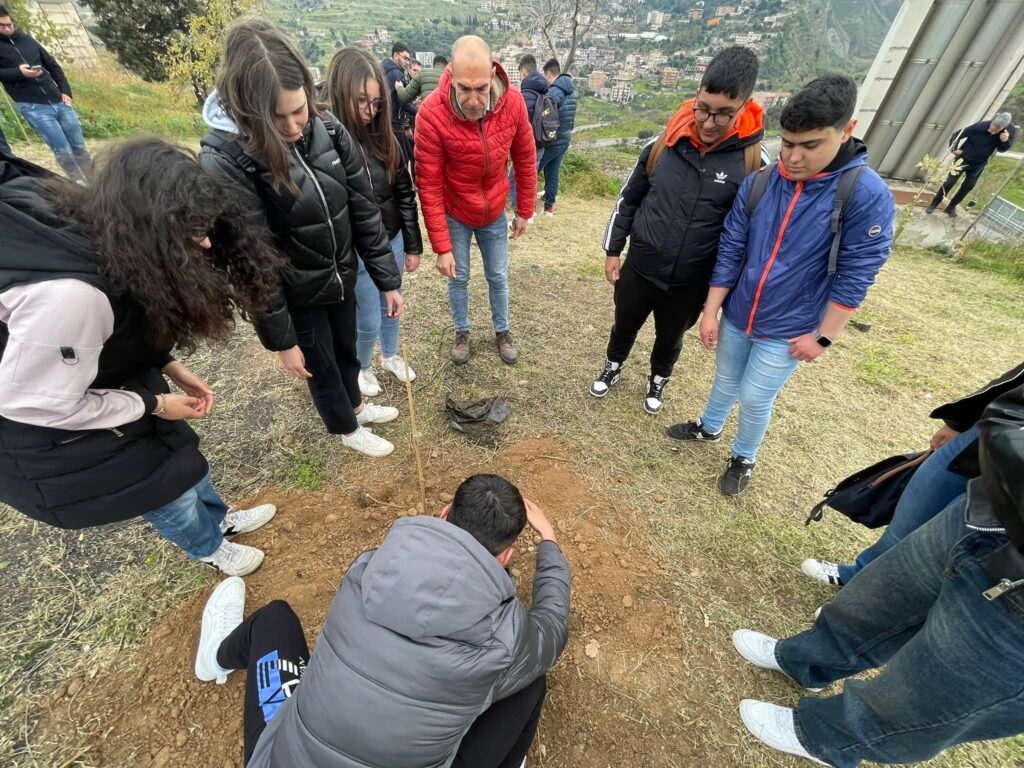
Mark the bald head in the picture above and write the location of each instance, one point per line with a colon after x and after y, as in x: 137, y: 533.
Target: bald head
x: 472, y: 75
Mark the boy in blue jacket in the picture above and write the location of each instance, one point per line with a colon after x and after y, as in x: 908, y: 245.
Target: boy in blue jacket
x: 782, y: 301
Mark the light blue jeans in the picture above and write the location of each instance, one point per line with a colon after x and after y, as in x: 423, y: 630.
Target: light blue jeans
x: 929, y: 491
x: 192, y: 521
x: 58, y: 125
x: 372, y: 321
x: 751, y: 370
x: 512, y: 178
x: 492, y: 240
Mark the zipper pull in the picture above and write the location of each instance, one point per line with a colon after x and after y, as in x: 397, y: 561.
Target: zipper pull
x: 117, y: 431
x: 1000, y: 589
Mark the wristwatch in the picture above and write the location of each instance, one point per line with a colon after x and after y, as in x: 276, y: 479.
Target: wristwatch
x: 824, y: 341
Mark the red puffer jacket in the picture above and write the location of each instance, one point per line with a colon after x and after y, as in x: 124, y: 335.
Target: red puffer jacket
x: 461, y: 165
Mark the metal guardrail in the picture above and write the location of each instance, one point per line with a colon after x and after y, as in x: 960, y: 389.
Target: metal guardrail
x: 1001, y: 220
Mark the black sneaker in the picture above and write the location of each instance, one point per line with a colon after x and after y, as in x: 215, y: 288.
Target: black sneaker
x: 951, y: 211
x: 736, y: 477
x: 608, y: 378
x: 655, y: 394
x: 930, y: 209
x: 692, y: 430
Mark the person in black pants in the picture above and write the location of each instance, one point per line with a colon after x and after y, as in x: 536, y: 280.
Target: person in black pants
x: 973, y: 146
x: 672, y: 209
x: 5, y: 148
x: 426, y: 657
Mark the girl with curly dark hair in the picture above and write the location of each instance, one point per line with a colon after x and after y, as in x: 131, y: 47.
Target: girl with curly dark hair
x: 97, y: 286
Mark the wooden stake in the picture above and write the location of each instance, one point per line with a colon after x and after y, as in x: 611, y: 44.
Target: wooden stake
x: 412, y: 421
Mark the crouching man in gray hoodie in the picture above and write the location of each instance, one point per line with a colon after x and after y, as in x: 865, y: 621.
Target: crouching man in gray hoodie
x: 427, y: 658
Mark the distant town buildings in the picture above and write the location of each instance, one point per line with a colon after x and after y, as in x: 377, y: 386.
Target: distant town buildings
x: 426, y: 58
x: 669, y: 77
x: 768, y: 99
x: 597, y: 81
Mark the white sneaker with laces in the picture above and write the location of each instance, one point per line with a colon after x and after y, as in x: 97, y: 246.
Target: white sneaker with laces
x: 822, y: 570
x: 759, y: 650
x: 396, y: 365
x: 368, y: 384
x: 224, y: 611
x: 376, y: 414
x: 235, y: 559
x: 773, y: 725
x: 246, y: 520
x: 364, y: 441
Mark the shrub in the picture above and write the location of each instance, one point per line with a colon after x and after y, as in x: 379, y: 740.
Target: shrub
x: 581, y: 176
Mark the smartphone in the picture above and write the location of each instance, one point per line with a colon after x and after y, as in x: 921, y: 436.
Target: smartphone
x: 37, y: 67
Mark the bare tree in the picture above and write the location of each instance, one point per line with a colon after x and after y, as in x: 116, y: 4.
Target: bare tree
x: 565, y: 22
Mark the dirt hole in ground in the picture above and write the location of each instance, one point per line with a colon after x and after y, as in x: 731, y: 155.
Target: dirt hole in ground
x: 607, y: 702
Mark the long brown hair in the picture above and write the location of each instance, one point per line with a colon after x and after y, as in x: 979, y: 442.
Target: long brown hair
x: 259, y: 62
x: 347, y: 74
x: 147, y: 204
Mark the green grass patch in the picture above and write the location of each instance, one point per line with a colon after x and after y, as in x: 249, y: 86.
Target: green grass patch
x: 306, y: 472
x: 1006, y: 260
x: 581, y: 176
x: 879, y: 367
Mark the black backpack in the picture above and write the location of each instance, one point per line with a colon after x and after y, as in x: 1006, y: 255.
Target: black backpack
x: 844, y: 194
x: 545, y: 120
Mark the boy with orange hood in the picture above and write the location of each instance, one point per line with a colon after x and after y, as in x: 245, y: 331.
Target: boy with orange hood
x: 672, y: 209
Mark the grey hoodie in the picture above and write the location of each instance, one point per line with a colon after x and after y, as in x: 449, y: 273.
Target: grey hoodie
x: 423, y: 635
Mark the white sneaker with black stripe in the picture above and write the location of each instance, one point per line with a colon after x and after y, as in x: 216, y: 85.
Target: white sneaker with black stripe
x: 608, y: 378
x: 823, y: 571
x: 246, y: 520
x: 655, y: 398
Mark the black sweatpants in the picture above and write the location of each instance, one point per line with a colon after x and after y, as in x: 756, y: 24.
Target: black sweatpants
x: 327, y: 338
x: 970, y: 176
x: 675, y: 311
x: 271, y: 646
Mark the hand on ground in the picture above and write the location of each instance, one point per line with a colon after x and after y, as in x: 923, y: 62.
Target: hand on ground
x: 538, y: 521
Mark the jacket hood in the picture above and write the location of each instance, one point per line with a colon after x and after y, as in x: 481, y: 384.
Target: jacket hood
x: 749, y: 127
x: 534, y: 81
x: 565, y: 82
x: 432, y: 579
x: 37, y: 244
x: 215, y: 116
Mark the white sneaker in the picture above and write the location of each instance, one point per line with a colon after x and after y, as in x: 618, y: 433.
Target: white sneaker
x: 246, y: 520
x: 823, y: 571
x: 541, y: 193
x: 223, y: 612
x: 367, y: 443
x: 376, y: 414
x: 368, y: 384
x: 235, y: 559
x: 396, y: 365
x: 773, y: 725
x: 759, y: 650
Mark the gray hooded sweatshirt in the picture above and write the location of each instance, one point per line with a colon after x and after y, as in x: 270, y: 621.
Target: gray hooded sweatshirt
x: 423, y: 635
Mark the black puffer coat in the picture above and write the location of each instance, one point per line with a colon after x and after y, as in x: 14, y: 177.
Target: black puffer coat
x: 316, y: 230
x: 397, y: 202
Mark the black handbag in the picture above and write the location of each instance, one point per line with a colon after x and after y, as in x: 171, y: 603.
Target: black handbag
x: 869, y: 497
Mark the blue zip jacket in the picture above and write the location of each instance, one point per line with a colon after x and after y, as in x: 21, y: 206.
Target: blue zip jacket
x: 784, y: 287
x: 563, y: 93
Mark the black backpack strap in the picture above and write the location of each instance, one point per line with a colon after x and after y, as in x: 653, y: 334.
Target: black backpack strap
x: 757, y: 188
x: 847, y: 185
x: 232, y: 148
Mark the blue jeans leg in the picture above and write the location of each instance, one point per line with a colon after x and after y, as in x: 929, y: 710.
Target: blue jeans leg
x: 731, y: 358
x: 512, y: 177
x: 493, y: 242
x: 768, y: 369
x: 953, y: 660
x: 372, y: 321
x: 552, y: 166
x: 192, y: 521
x: 929, y: 492
x: 389, y: 325
x: 458, y: 289
x: 72, y: 128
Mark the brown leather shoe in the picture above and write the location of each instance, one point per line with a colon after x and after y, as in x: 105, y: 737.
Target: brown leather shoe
x: 506, y: 348
x: 460, y: 350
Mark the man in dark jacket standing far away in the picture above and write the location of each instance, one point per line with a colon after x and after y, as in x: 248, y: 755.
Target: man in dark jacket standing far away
x: 973, y: 146
x: 426, y: 658
x: 671, y: 209
x: 533, y: 85
x: 402, y: 113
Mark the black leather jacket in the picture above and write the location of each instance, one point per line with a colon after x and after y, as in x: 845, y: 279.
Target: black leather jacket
x: 317, y: 229
x: 397, y: 202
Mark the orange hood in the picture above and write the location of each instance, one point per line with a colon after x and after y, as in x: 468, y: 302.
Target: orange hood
x: 684, y: 125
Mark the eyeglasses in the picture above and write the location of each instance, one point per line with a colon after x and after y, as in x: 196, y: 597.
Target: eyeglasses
x: 721, y: 119
x: 374, y: 105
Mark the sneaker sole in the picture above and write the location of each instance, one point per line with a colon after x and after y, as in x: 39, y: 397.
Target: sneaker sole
x: 707, y: 440
x: 401, y: 378
x: 650, y: 412
x: 202, y: 672
x: 380, y: 421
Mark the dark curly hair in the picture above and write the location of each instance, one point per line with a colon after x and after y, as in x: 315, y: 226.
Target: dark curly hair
x: 148, y: 206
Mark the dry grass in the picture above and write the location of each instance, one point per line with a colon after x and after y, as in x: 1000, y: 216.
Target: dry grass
x: 938, y: 331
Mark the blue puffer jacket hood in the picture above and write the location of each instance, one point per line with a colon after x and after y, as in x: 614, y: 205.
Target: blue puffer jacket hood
x: 563, y: 92
x: 533, y: 85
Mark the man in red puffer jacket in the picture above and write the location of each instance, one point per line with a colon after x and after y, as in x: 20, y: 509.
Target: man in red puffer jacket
x: 466, y: 131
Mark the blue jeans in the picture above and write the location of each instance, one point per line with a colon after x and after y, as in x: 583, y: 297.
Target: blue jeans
x: 953, y: 661
x: 372, y: 321
x: 192, y: 521
x: 512, y: 178
x: 551, y: 166
x: 751, y: 370
x: 492, y: 240
x: 59, y: 127
x: 928, y: 493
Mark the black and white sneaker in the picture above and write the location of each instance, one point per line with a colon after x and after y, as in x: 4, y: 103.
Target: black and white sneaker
x: 736, y: 477
x: 655, y: 394
x: 608, y: 378
x: 693, y: 430
x: 823, y: 571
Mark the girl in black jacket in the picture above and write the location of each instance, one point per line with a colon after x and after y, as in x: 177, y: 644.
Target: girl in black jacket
x: 357, y: 94
x: 316, y: 197
x: 96, y: 287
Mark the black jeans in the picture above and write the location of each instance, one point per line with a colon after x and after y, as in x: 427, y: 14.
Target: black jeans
x: 327, y: 338
x: 270, y: 644
x: 970, y: 175
x: 4, y: 146
x: 675, y: 311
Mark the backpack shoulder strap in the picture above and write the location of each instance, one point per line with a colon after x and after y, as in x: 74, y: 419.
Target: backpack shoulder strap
x: 751, y: 158
x: 847, y: 185
x: 232, y: 148
x: 757, y: 188
x: 656, y: 150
